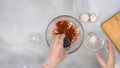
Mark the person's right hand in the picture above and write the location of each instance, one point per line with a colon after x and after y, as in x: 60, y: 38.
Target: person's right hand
x: 57, y: 53
x: 111, y: 57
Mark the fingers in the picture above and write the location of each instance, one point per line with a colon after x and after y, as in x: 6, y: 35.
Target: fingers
x: 101, y: 61
x: 61, y: 39
x: 111, y: 50
x: 56, y: 39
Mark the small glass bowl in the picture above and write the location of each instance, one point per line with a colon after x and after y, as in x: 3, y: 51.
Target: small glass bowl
x: 94, y: 41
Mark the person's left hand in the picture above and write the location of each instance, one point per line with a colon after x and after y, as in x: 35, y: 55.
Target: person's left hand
x: 110, y: 63
x: 57, y: 53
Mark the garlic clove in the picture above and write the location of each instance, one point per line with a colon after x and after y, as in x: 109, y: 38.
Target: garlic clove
x: 93, y: 18
x: 84, y: 17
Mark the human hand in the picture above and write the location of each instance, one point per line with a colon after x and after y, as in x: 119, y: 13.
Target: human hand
x: 111, y: 57
x: 57, y: 53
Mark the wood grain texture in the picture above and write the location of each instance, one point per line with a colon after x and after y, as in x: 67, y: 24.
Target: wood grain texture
x: 112, y: 29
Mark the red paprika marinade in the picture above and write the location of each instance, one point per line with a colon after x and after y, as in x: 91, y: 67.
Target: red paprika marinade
x: 67, y: 28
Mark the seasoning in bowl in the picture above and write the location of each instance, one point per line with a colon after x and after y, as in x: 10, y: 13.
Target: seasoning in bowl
x: 67, y: 28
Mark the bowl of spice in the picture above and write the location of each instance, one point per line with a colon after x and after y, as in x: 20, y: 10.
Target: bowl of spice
x: 94, y: 40
x: 68, y: 25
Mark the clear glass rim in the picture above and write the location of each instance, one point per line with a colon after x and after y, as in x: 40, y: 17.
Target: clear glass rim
x: 102, y: 42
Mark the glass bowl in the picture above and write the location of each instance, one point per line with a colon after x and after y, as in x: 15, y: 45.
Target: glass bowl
x: 94, y: 41
x: 50, y: 37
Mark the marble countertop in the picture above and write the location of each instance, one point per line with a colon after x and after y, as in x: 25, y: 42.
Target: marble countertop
x: 22, y: 20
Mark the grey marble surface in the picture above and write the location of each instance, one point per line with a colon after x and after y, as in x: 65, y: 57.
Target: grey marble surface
x: 20, y: 20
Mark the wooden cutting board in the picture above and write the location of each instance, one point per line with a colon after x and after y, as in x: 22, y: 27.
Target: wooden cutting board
x: 112, y: 29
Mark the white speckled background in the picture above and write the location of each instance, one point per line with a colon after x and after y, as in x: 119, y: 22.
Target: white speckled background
x: 19, y: 19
